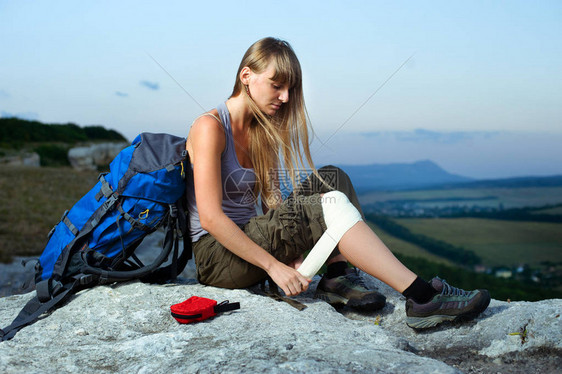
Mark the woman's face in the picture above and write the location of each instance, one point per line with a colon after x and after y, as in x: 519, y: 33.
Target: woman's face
x: 266, y: 93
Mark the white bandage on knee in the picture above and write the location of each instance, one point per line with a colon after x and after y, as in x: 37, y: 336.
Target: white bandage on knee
x: 340, y: 215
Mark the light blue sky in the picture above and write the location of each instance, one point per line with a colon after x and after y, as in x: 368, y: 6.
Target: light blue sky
x: 481, y: 95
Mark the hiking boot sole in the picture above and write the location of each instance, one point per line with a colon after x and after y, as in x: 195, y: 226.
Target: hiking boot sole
x: 367, y: 304
x: 420, y: 323
x: 331, y: 298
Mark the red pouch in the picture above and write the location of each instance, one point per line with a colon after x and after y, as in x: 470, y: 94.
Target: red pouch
x: 197, y: 309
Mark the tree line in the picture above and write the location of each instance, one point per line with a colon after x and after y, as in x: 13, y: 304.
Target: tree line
x: 16, y: 132
x: 513, y: 214
x: 453, y: 253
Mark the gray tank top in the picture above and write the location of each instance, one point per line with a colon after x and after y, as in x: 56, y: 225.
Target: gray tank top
x: 238, y: 200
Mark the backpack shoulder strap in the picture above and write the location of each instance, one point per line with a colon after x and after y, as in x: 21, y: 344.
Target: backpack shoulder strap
x: 179, y: 262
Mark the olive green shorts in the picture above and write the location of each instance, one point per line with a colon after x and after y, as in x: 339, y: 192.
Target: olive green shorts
x: 286, y: 232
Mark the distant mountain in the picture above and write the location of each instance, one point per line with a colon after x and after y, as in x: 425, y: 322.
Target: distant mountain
x: 400, y: 176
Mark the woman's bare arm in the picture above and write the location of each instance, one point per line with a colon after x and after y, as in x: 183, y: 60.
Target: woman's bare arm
x: 207, y: 141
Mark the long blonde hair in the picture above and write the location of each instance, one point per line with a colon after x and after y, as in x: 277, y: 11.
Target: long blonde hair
x: 284, y: 135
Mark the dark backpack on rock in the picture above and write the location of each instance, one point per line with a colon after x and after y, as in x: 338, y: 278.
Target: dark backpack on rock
x: 95, y: 241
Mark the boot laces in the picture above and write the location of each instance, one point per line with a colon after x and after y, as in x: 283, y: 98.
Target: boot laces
x: 449, y: 290
x: 356, y: 279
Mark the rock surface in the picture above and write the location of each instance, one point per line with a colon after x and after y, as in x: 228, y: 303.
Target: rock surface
x: 90, y: 157
x: 128, y: 328
x: 16, y: 278
x: 31, y: 159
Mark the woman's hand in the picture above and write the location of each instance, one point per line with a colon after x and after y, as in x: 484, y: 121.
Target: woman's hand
x: 291, y: 281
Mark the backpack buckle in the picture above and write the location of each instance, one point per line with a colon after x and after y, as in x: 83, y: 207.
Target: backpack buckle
x: 173, y: 211
x: 85, y: 280
x: 52, y: 231
x: 47, y: 289
x: 111, y: 200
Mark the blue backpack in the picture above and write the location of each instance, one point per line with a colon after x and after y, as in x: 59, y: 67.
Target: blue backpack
x: 95, y: 241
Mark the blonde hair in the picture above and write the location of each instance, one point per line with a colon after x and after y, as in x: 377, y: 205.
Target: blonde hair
x: 286, y: 132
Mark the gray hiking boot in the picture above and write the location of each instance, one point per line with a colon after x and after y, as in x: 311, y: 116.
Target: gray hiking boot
x: 451, y: 304
x: 350, y: 290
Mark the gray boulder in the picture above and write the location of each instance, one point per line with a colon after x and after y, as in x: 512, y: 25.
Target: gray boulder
x: 128, y: 328
x: 90, y: 157
x: 30, y: 159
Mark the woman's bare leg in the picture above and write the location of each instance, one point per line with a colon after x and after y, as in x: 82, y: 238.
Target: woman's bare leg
x: 363, y: 248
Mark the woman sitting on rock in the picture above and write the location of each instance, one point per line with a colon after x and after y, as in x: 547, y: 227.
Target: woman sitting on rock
x: 237, y: 151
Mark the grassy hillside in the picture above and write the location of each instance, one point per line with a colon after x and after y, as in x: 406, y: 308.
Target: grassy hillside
x: 496, y: 242
x: 428, y: 265
x: 402, y: 247
x: 425, y: 265
x: 32, y: 202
